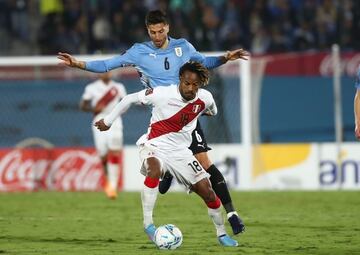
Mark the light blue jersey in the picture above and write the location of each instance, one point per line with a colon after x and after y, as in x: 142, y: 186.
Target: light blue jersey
x: 156, y: 67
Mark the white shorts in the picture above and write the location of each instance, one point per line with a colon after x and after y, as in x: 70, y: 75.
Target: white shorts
x: 184, y: 167
x: 111, y: 139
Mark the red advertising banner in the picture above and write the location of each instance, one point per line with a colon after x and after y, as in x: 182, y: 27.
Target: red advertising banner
x: 297, y: 64
x: 60, y: 169
x: 307, y: 64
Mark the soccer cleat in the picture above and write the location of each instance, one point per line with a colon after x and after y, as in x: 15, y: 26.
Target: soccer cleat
x: 150, y: 231
x: 236, y: 224
x: 226, y: 240
x: 165, y: 183
x: 110, y: 191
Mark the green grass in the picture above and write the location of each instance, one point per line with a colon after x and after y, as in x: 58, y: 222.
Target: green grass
x: 88, y: 223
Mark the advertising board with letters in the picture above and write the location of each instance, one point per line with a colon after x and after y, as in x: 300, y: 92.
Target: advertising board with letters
x: 314, y: 166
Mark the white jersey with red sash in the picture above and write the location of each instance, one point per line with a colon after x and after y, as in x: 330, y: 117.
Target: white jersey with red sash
x: 173, y: 118
x: 107, y: 95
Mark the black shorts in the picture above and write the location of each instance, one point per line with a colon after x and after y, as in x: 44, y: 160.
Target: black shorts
x: 198, y: 143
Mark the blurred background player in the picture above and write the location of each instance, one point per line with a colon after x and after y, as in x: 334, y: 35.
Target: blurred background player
x: 100, y: 97
x: 165, y: 147
x: 158, y: 62
x: 357, y: 105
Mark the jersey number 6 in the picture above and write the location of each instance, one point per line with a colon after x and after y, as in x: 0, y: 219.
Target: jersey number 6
x: 166, y: 64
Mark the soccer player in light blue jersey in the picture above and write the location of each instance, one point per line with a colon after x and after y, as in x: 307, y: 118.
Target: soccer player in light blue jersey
x: 158, y: 62
x: 357, y: 105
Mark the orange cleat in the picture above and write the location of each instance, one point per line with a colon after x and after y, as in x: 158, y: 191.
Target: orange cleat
x: 110, y: 191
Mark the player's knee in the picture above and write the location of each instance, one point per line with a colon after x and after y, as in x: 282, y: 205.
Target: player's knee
x: 103, y: 160
x: 203, y: 159
x: 153, y: 168
x: 113, y: 157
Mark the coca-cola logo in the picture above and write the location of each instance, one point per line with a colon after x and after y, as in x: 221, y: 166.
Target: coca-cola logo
x: 348, y: 65
x: 75, y: 170
x: 57, y: 169
x: 18, y: 173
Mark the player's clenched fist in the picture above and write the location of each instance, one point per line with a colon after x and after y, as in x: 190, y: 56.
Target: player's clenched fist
x: 101, y: 125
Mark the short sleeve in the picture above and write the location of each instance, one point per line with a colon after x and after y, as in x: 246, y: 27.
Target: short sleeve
x: 194, y: 54
x: 210, y: 105
x: 211, y: 100
x: 87, y: 95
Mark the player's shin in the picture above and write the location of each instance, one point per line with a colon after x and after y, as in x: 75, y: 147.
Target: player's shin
x: 218, y: 184
x: 113, y: 169
x: 215, y: 214
x: 148, y: 199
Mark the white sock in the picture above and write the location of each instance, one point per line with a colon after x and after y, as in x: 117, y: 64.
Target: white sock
x: 148, y: 199
x: 231, y: 214
x: 218, y: 220
x: 113, y: 174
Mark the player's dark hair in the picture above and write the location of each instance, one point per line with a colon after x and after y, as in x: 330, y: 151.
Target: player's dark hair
x: 199, y: 69
x: 156, y: 17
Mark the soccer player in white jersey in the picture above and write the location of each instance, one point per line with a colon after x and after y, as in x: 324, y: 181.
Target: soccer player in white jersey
x: 165, y: 147
x: 100, y: 97
x: 357, y: 105
x: 158, y: 62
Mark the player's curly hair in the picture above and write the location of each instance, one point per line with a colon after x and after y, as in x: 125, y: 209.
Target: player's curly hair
x: 197, y: 68
x: 155, y: 17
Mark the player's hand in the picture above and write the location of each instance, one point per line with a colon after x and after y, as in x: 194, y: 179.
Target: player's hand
x: 236, y: 54
x: 69, y: 60
x: 101, y: 125
x: 357, y: 132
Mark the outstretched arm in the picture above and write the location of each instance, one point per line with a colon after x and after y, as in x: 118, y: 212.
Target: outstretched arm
x: 70, y: 61
x: 98, y: 66
x: 213, y: 62
x: 357, y: 113
x: 120, y: 108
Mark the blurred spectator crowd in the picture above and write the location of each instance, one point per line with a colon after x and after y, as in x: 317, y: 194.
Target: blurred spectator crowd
x: 44, y: 27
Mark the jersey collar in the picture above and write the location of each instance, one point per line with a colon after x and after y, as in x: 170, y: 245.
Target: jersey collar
x: 159, y: 49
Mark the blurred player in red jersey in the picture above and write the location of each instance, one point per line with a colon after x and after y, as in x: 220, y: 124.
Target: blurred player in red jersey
x: 100, y: 97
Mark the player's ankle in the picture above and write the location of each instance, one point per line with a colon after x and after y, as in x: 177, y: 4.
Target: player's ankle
x: 229, y: 214
x: 147, y: 224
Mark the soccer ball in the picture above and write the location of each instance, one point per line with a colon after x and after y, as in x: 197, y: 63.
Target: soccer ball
x: 168, y: 237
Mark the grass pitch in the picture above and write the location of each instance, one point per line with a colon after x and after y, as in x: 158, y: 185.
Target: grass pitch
x: 88, y: 223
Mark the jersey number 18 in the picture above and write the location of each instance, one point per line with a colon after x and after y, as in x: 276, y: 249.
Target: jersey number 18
x: 195, y: 166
